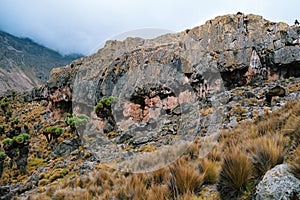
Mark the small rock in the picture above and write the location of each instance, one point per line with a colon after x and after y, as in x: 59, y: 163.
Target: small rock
x: 86, y: 166
x: 66, y: 147
x: 141, y: 140
x: 275, y: 91
x: 177, y: 111
x: 123, y: 138
x: 249, y: 95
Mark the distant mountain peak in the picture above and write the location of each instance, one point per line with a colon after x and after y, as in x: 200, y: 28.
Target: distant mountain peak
x: 25, y: 64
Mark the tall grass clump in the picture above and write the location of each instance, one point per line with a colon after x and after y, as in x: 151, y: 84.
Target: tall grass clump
x: 184, y: 179
x: 235, y: 174
x: 266, y: 152
x: 295, y: 165
x: 210, y: 171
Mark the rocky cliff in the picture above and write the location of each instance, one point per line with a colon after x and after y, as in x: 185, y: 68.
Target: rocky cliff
x: 238, y: 47
x: 197, y: 105
x: 24, y: 64
x: 169, y: 78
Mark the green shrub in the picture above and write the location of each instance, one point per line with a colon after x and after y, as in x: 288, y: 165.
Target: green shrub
x: 77, y: 121
x: 18, y: 139
x: 105, y: 102
x: 58, y: 131
x: 235, y: 174
x: 2, y: 129
x: 48, y: 130
x: 4, y: 104
x: 21, y: 138
x: 53, y: 130
x: 52, y: 133
x: 7, y: 141
x: 2, y: 154
x: 8, y: 113
x: 26, y: 136
x: 2, y: 126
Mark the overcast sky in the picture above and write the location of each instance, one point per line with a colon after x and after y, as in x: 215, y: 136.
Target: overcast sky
x: 81, y: 26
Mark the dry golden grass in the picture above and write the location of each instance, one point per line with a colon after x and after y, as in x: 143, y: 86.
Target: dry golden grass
x: 292, y: 128
x: 161, y: 176
x: 158, y: 192
x: 210, y: 170
x: 295, y: 164
x: 235, y: 174
x: 193, y: 150
x: 185, y: 178
x: 135, y: 188
x: 266, y: 152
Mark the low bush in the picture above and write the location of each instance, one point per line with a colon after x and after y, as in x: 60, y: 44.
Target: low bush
x: 2, y: 155
x: 4, y: 105
x: 105, y: 102
x: 77, y: 121
x: 2, y: 129
x: 19, y: 139
x: 53, y: 130
x: 8, y: 141
x: 52, y: 133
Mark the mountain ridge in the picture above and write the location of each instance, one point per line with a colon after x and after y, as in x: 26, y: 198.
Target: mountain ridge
x: 25, y: 63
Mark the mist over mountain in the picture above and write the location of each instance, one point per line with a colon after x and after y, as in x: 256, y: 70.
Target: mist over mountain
x: 25, y: 64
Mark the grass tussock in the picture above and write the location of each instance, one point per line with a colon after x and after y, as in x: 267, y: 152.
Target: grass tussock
x: 292, y: 128
x: 185, y: 179
x: 210, y: 170
x: 235, y: 174
x: 158, y: 192
x: 266, y: 152
x: 295, y: 164
x: 135, y: 188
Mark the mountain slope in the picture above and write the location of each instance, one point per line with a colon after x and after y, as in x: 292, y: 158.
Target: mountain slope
x: 24, y: 63
x: 191, y: 109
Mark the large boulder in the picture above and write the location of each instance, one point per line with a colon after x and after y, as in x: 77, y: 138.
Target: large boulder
x: 278, y: 183
x: 239, y: 47
x: 164, y: 78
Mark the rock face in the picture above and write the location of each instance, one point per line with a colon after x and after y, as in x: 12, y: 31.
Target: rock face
x: 278, y: 183
x: 239, y: 47
x: 24, y: 64
x: 165, y: 79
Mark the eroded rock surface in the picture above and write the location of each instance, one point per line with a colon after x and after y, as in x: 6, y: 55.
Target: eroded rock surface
x: 278, y: 183
x: 162, y: 83
x: 239, y: 47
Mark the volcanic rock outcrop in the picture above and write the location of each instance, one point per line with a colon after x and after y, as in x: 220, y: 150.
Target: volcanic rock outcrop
x: 161, y: 79
x: 238, y: 47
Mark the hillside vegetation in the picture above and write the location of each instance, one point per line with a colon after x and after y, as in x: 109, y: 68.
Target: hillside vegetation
x: 233, y: 168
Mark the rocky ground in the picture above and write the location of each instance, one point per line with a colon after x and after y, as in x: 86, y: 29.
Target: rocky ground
x: 55, y: 161
x: 191, y: 109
